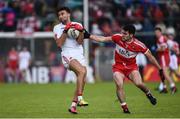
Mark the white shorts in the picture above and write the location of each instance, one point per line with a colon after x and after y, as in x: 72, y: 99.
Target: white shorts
x: 23, y: 66
x: 67, y: 56
x: 173, y: 62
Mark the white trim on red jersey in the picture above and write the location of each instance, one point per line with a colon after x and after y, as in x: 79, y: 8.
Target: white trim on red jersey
x: 124, y: 52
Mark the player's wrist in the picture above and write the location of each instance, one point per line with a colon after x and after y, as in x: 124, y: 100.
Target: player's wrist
x: 65, y: 31
x: 86, y: 34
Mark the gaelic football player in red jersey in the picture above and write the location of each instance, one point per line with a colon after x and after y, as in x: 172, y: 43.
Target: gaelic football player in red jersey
x: 13, y: 63
x: 127, y: 47
x: 164, y: 59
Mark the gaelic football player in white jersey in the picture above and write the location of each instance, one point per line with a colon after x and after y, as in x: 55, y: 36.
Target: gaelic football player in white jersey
x: 72, y: 54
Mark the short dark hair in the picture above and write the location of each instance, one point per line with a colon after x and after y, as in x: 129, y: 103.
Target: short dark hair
x: 158, y: 28
x: 64, y: 8
x: 130, y: 28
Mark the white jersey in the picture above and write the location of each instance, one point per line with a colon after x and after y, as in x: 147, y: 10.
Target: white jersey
x: 173, y: 58
x: 70, y: 49
x: 24, y: 58
x: 173, y: 45
x: 70, y: 43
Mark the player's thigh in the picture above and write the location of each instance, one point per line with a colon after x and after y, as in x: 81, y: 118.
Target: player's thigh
x: 77, y: 67
x: 118, y: 79
x: 135, y: 77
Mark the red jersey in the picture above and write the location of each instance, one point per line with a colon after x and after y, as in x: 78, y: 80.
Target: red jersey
x: 125, y: 54
x: 162, y: 42
x: 163, y: 56
x: 13, y: 59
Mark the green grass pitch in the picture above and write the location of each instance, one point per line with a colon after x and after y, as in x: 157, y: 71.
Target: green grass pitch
x: 53, y: 101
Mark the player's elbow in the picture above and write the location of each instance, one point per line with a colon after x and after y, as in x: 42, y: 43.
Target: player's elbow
x: 59, y: 43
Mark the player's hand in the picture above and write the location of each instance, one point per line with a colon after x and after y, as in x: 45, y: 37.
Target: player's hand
x: 77, y: 27
x: 67, y: 27
x: 162, y: 75
x: 86, y: 34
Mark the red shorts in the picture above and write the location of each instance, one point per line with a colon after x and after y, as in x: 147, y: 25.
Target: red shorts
x: 126, y: 70
x: 13, y: 65
x: 164, y: 60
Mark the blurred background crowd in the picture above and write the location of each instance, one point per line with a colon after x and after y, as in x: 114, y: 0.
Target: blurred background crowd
x: 105, y: 18
x: 40, y: 15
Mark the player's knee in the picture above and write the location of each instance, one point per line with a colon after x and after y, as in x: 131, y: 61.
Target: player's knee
x: 119, y: 86
x: 82, y: 71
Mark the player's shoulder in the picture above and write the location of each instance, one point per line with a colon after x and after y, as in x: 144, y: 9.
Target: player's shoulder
x: 116, y: 36
x: 59, y: 25
x: 138, y: 43
x: 136, y: 40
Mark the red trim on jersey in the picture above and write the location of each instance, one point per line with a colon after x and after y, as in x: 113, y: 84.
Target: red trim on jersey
x: 66, y: 59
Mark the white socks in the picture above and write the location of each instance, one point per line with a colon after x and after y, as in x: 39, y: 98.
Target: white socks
x: 80, y: 98
x: 124, y: 103
x: 161, y: 86
x: 172, y: 85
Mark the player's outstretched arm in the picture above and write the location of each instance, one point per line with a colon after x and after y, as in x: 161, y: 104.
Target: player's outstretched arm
x: 96, y: 38
x: 152, y: 59
x: 100, y: 38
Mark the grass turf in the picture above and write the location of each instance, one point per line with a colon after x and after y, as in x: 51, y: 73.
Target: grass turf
x: 53, y: 100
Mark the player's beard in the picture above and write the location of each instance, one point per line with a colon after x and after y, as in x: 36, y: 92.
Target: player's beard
x: 64, y: 21
x: 127, y: 38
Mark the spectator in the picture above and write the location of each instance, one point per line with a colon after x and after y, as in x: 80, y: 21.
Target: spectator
x: 9, y: 19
